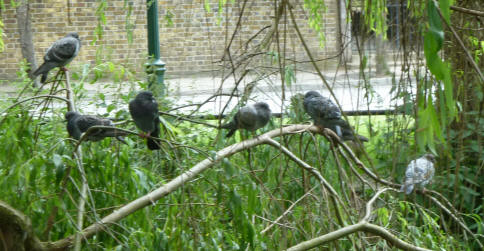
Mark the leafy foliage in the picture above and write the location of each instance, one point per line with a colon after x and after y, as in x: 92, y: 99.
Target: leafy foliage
x: 233, y: 205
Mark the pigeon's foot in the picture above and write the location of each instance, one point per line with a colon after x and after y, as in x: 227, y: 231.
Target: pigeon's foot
x: 144, y: 135
x: 321, y: 128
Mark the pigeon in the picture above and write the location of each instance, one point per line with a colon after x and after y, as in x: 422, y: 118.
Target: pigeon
x: 250, y: 117
x: 144, y: 111
x: 78, y: 124
x: 419, y: 172
x: 59, y: 54
x: 327, y: 115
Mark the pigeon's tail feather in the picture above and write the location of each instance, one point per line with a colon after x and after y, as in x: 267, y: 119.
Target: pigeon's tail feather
x: 43, y: 78
x: 44, y: 70
x: 231, y: 132
x: 407, y: 188
x: 152, y: 143
x: 402, y: 188
x: 120, y: 139
x: 232, y: 125
x: 362, y: 138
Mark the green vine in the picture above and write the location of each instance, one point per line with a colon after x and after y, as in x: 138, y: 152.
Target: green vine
x: 375, y: 16
x: 316, y: 9
x: 433, y: 41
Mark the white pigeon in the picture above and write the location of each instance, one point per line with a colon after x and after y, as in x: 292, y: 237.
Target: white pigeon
x: 419, y: 172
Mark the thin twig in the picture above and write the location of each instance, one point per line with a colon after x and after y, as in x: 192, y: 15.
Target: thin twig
x: 364, y: 226
x: 152, y: 197
x: 31, y: 98
x: 188, y: 119
x: 276, y: 221
x: 461, y: 44
x: 467, y: 11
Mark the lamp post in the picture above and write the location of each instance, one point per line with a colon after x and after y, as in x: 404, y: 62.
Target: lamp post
x: 155, y: 67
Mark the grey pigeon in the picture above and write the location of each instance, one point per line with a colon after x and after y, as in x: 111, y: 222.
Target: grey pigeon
x: 59, y: 54
x: 419, y: 172
x: 327, y: 115
x: 249, y: 117
x: 144, y: 111
x: 78, y: 124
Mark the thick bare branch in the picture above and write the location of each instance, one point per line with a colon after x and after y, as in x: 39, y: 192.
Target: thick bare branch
x: 152, y: 197
x: 363, y: 226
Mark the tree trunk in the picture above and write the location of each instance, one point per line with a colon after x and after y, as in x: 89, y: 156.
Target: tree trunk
x: 344, y: 32
x: 26, y: 37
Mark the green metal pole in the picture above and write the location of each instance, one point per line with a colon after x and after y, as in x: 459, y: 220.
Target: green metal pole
x: 155, y: 67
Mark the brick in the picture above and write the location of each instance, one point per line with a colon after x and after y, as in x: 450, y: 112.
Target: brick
x: 191, y: 44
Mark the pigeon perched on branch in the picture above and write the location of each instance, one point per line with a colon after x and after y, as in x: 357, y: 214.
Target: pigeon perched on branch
x: 327, y: 115
x: 144, y: 111
x: 59, y: 54
x: 78, y: 124
x: 419, y: 172
x: 250, y: 118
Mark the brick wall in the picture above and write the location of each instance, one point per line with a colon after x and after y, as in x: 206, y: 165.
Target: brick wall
x: 194, y: 43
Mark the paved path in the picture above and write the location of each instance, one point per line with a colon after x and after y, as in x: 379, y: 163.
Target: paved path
x: 190, y: 90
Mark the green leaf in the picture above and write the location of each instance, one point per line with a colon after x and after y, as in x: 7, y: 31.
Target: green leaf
x: 111, y: 107
x: 445, y: 8
x: 57, y: 159
x: 289, y: 76
x: 383, y: 215
x: 206, y: 5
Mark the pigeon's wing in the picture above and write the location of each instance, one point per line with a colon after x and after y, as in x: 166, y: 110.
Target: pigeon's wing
x: 232, y: 126
x: 426, y: 170
x: 331, y: 111
x: 409, y: 178
x: 263, y: 118
x: 247, y: 118
x: 62, y: 51
x: 144, y: 114
x: 151, y: 143
x: 419, y: 171
x: 321, y: 108
x: 73, y: 129
x: 85, y: 122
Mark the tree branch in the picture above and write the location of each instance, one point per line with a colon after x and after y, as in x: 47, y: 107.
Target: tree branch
x: 364, y: 226
x: 467, y: 11
x: 461, y: 44
x: 157, y: 194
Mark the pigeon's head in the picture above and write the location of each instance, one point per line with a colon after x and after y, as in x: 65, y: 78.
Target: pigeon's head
x: 70, y: 115
x: 430, y: 157
x: 73, y: 34
x: 262, y: 106
x: 312, y: 94
x: 145, y: 95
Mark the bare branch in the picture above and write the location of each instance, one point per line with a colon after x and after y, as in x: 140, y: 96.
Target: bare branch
x: 32, y: 98
x: 467, y: 11
x: 461, y: 44
x: 152, y: 197
x: 364, y: 226
x: 288, y: 210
